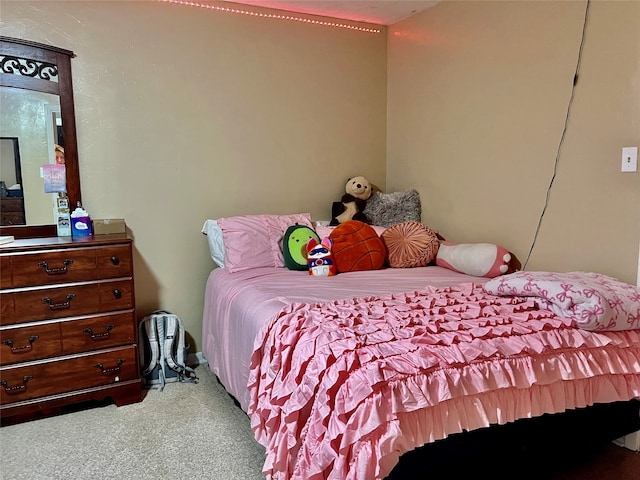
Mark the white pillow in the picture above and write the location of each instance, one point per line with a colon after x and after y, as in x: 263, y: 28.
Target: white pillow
x: 214, y: 238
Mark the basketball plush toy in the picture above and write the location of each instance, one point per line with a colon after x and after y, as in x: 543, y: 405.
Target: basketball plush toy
x: 319, y: 258
x: 357, y: 246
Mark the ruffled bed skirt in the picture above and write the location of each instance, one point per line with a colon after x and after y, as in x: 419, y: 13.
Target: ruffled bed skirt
x: 340, y: 390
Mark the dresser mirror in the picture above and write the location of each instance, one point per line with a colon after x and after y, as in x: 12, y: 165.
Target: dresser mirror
x: 36, y: 94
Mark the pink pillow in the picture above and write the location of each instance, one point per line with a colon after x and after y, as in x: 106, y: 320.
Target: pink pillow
x: 253, y: 241
x: 410, y: 244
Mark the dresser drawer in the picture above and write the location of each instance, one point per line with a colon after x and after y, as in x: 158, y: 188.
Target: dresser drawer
x: 12, y: 218
x: 29, y: 269
x: 6, y: 279
x: 64, y: 266
x: 41, y: 378
x: 98, y: 332
x: 66, y: 301
x: 11, y: 204
x: 21, y: 344
x: 49, y: 303
x: 66, y: 336
x: 7, y: 309
x: 114, y: 262
x: 116, y: 295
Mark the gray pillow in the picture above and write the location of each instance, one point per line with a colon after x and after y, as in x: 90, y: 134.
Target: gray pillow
x: 387, y: 209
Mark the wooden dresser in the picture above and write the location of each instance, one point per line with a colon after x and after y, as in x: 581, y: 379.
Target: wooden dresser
x: 68, y: 330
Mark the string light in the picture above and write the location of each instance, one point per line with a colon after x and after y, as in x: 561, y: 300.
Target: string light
x: 275, y: 16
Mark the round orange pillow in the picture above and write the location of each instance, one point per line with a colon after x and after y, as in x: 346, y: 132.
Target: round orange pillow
x: 357, y: 246
x: 410, y: 244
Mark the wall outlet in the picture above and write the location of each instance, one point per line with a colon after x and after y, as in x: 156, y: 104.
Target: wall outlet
x: 629, y: 159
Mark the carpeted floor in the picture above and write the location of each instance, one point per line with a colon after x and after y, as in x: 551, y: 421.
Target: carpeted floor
x: 188, y: 431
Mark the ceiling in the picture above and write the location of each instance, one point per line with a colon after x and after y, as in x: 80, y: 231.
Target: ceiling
x: 380, y: 12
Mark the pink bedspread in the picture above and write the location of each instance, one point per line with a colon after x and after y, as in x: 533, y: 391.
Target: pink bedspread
x: 340, y: 389
x: 238, y: 305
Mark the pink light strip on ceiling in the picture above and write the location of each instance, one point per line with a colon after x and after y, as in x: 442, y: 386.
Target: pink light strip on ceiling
x: 276, y: 16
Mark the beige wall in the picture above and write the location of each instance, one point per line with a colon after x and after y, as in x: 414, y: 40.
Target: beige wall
x: 477, y: 97
x: 185, y: 114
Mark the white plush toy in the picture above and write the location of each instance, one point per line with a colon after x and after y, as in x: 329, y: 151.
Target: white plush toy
x: 477, y: 259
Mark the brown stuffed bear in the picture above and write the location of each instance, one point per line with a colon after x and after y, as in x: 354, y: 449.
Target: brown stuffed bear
x: 358, y: 190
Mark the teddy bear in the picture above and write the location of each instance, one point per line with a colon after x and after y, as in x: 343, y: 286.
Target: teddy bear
x: 351, y: 206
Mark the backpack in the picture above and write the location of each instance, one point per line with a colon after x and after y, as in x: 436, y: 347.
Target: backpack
x: 163, y: 350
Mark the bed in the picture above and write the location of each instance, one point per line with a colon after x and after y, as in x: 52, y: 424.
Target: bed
x: 365, y: 374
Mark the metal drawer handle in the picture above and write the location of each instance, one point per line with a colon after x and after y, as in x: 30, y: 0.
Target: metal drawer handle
x: 24, y: 348
x: 117, y: 293
x: 17, y: 388
x: 115, y: 260
x: 112, y: 370
x: 56, y: 271
x: 59, y: 306
x: 97, y: 336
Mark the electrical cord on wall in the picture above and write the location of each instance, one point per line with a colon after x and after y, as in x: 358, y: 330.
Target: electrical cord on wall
x: 564, y: 131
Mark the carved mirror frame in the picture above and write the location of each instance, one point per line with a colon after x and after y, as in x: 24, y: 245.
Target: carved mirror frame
x: 35, y: 66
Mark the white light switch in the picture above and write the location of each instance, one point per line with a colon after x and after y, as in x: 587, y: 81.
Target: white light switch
x: 629, y: 159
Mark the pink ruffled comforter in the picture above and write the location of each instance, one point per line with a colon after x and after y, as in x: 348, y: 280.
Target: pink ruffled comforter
x: 339, y: 390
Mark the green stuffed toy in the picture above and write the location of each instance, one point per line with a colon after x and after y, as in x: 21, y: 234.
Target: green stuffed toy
x: 294, y: 246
